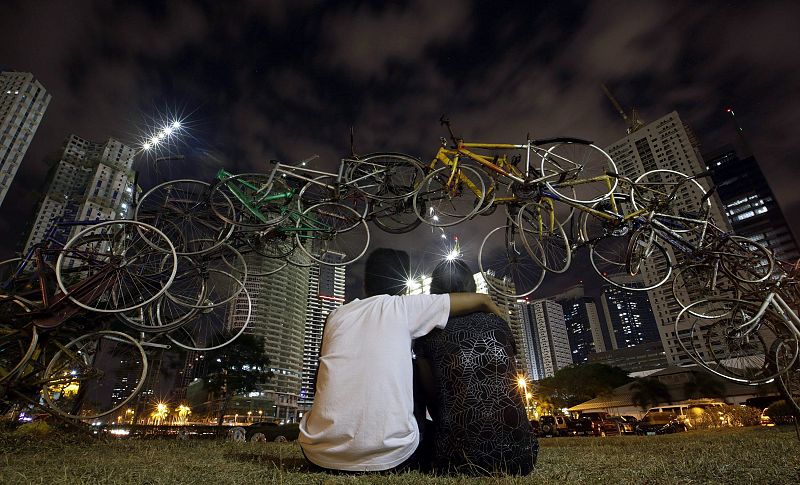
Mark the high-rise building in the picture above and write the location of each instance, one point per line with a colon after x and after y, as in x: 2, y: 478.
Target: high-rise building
x: 629, y: 317
x: 584, y: 328
x: 279, y: 303
x: 510, y: 307
x: 666, y: 143
x: 90, y: 181
x: 23, y: 101
x: 547, y: 342
x: 749, y: 202
x: 325, y: 294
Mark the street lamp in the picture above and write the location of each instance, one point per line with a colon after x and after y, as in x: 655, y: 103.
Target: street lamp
x: 250, y: 416
x: 260, y: 415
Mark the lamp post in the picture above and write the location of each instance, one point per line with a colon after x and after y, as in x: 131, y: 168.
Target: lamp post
x: 249, y: 416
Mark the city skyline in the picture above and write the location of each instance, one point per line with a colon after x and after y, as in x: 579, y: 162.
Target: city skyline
x: 273, y: 89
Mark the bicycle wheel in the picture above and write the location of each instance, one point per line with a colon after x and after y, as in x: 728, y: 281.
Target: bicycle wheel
x: 385, y: 176
x: 215, y: 327
x: 16, y: 348
x: 609, y: 258
x: 654, y: 188
x: 395, y: 216
x: 19, y: 285
x: 538, y: 220
x: 183, y: 208
x: 593, y: 227
x: 506, y: 265
x: 737, y: 345
x: 332, y: 234
x: 745, y: 260
x: 442, y: 202
x: 325, y: 189
x: 578, y: 172
x: 94, y: 375
x: 257, y: 201
x: 218, y: 276
x: 698, y: 282
x: 114, y: 266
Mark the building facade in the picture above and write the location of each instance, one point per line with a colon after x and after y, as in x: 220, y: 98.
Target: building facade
x: 278, y: 314
x: 325, y: 294
x: 749, y: 202
x: 629, y: 317
x: 666, y: 143
x: 90, y: 181
x: 546, y: 337
x: 584, y: 327
x: 23, y: 101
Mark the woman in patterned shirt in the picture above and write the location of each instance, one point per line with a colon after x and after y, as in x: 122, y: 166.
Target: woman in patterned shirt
x: 468, y: 375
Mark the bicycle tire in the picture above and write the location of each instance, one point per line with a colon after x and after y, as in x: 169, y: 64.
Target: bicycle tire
x: 110, y: 392
x: 385, y: 176
x: 576, y: 162
x: 331, y: 230
x: 108, y: 248
x: 394, y: 217
x: 509, y: 264
x: 440, y: 205
x: 697, y: 282
x: 214, y: 328
x: 748, y: 262
x: 644, y: 193
x: 16, y: 349
x: 255, y: 188
x: 186, y: 204
x: 727, y: 345
x: 612, y: 266
x: 313, y: 193
x: 554, y: 251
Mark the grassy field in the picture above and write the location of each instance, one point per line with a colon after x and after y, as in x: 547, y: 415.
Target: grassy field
x: 745, y: 455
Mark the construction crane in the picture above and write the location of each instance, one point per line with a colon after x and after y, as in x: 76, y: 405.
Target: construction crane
x: 633, y: 121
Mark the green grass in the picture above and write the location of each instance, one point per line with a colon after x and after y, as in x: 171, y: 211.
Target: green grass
x: 744, y: 455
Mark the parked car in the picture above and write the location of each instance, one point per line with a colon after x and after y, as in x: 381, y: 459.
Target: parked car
x: 555, y: 426
x: 625, y: 426
x: 599, y: 423
x: 582, y: 426
x: 272, y: 431
x: 661, y: 422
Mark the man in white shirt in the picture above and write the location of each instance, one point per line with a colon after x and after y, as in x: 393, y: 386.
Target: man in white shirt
x: 362, y: 419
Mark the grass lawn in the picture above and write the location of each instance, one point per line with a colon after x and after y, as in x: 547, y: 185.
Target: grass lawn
x: 743, y: 455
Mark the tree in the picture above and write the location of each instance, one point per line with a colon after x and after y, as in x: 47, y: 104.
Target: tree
x: 703, y: 385
x: 648, y: 392
x: 578, y: 383
x: 237, y: 368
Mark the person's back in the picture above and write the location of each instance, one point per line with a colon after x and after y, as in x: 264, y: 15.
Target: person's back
x: 362, y: 418
x: 479, y: 415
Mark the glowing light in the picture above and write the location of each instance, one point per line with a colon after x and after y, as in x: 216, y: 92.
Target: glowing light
x: 154, y: 140
x: 120, y: 432
x: 147, y: 145
x: 452, y: 255
x: 444, y: 237
x: 176, y: 124
x: 435, y: 218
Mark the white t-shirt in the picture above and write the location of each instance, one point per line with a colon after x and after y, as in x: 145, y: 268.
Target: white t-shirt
x: 363, y: 413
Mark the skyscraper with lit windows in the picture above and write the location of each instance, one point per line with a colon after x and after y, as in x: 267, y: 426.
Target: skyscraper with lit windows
x: 90, y: 181
x: 23, y: 101
x: 326, y: 285
x: 749, y: 202
x: 546, y: 339
x: 666, y: 143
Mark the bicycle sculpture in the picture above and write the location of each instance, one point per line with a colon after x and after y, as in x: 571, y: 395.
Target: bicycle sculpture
x: 177, y: 272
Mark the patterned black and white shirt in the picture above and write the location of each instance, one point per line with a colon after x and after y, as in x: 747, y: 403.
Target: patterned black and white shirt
x: 479, y: 415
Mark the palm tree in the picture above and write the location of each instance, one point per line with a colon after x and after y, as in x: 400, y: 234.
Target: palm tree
x: 704, y: 385
x: 648, y: 392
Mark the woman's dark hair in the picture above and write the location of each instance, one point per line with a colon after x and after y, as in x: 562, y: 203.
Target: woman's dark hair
x: 452, y: 277
x: 386, y: 272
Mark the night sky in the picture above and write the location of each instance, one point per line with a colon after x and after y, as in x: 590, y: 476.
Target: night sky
x: 286, y: 79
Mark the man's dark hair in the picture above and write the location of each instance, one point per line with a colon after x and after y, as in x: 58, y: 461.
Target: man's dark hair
x: 386, y: 272
x: 452, y: 277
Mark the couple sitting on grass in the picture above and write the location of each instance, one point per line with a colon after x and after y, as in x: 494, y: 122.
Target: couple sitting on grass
x: 372, y: 393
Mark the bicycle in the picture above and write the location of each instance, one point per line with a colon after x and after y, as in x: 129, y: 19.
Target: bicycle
x: 456, y: 191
